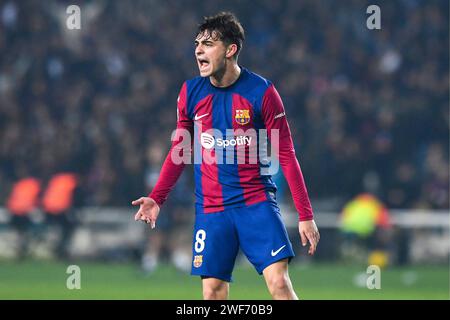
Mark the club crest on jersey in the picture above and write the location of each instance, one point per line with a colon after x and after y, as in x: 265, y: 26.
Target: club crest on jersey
x: 198, y: 260
x: 242, y: 116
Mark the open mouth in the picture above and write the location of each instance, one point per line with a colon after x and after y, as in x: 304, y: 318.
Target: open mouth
x: 203, y: 63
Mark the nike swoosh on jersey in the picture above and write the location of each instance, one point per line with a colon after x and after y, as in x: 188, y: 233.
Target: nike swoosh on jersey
x: 280, y: 115
x: 197, y: 117
x: 274, y: 253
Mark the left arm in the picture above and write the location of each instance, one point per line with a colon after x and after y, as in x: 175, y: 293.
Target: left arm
x: 274, y: 117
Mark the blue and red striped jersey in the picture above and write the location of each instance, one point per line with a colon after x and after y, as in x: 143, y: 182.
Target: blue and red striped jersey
x: 227, y: 130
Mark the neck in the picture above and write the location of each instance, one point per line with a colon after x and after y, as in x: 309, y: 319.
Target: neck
x: 227, y: 77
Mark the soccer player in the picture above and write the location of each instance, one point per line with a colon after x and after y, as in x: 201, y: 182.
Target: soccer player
x: 235, y: 202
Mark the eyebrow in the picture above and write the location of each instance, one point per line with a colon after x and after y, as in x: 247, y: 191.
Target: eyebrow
x: 203, y: 41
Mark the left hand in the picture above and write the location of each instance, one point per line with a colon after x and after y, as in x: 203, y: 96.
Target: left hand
x: 309, y: 232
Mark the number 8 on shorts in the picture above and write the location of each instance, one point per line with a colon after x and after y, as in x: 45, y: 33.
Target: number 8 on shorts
x: 200, y: 238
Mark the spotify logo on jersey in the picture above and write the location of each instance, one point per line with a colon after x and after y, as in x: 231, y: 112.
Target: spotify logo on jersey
x: 208, y: 141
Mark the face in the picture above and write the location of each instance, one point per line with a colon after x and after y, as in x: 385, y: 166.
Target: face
x: 210, y: 53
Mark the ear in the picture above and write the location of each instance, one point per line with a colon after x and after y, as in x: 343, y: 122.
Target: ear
x: 231, y: 50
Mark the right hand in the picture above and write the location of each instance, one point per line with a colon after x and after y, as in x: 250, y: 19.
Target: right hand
x: 148, y: 210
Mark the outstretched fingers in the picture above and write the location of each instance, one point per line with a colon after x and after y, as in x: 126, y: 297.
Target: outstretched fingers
x: 146, y: 212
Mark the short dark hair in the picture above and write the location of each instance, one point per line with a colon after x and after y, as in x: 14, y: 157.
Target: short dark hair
x: 227, y: 28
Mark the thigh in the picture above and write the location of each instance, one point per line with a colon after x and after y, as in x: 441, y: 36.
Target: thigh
x: 214, y: 246
x: 262, y: 234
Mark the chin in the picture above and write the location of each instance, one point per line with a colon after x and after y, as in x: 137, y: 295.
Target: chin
x: 204, y: 74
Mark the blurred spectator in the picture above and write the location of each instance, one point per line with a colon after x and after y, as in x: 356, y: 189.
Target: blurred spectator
x: 58, y: 201
x: 22, y: 201
x: 171, y: 240
x: 366, y: 227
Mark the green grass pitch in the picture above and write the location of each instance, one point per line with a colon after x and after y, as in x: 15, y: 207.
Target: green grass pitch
x: 47, y: 280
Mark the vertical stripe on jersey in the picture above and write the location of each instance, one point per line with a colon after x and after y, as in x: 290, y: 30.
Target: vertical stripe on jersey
x: 211, y: 188
x: 249, y: 173
x: 228, y: 170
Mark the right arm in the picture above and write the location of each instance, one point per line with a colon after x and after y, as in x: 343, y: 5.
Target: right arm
x: 170, y: 171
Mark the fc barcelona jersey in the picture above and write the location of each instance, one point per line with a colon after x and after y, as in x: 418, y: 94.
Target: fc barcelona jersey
x: 229, y: 130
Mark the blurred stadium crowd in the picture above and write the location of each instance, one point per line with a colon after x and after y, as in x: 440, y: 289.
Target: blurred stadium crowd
x: 368, y: 109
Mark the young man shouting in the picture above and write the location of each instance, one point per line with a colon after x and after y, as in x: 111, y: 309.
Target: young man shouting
x: 235, y: 200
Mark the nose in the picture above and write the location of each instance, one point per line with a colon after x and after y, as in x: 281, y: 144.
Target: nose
x: 199, y: 50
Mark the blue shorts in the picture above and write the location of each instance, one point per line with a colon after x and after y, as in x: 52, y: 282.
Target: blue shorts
x: 257, y: 229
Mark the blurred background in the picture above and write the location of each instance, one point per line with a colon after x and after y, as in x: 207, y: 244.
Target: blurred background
x: 86, y: 117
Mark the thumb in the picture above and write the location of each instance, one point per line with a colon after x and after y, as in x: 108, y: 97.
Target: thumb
x: 138, y: 201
